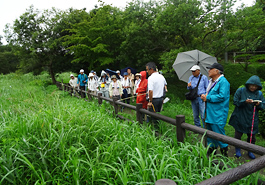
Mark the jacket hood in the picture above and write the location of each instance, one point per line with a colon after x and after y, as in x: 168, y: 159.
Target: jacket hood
x: 254, y: 80
x: 143, y: 75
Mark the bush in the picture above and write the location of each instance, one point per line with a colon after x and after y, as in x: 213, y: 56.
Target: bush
x: 236, y: 76
x: 261, y: 72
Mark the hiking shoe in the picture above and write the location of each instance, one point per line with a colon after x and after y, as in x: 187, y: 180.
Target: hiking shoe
x: 251, y: 155
x: 238, y: 152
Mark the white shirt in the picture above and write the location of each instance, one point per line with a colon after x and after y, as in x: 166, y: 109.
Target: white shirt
x: 212, y: 83
x: 156, y: 83
x: 136, y: 85
x: 73, y: 82
x: 92, y: 84
x: 125, y: 83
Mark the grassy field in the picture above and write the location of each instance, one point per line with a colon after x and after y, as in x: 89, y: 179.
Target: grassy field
x: 48, y: 137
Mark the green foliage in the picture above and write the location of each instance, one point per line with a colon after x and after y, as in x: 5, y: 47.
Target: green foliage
x: 261, y: 71
x: 236, y: 76
x: 8, y: 60
x: 49, y: 137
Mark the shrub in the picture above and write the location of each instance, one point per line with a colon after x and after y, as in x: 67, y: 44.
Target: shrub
x: 261, y: 71
x: 236, y: 76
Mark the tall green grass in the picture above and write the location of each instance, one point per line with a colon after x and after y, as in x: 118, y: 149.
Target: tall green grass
x: 48, y: 137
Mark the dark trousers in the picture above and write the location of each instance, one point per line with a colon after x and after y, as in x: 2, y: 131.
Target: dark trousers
x: 117, y: 96
x: 127, y: 100
x: 157, y: 103
x: 238, y: 135
x: 82, y: 88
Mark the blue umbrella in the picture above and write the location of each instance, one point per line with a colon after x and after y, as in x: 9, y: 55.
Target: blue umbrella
x: 111, y: 72
x: 125, y: 70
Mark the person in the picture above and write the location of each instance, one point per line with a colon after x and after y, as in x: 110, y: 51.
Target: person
x: 217, y: 106
x: 119, y: 74
x: 104, y: 82
x: 127, y: 88
x: 131, y: 77
x: 115, y: 88
x: 141, y: 90
x: 241, y: 118
x: 73, y: 82
x: 82, y: 80
x: 156, y: 87
x: 137, y: 82
x: 92, y: 84
x: 198, y: 106
x: 95, y: 75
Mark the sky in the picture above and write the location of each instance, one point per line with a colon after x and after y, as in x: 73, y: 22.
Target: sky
x: 10, y: 10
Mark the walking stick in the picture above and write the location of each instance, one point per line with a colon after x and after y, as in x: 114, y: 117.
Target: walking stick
x: 252, y: 123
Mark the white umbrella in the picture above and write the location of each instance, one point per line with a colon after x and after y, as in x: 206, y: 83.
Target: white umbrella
x: 186, y: 60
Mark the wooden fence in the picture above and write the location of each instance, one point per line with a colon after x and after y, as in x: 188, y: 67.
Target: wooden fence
x: 227, y: 177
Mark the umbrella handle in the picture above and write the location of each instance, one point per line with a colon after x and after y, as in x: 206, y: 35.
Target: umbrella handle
x: 253, y: 118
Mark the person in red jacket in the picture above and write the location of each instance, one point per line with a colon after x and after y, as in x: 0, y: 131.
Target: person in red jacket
x: 141, y: 90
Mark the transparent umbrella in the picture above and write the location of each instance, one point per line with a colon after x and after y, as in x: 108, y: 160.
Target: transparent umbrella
x: 186, y: 60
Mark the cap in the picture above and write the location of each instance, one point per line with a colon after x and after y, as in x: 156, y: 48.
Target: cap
x: 92, y: 71
x: 138, y: 74
x: 113, y: 76
x: 118, y: 71
x: 82, y: 70
x: 125, y: 73
x: 195, y: 67
x: 216, y: 66
x: 90, y: 75
x: 72, y: 75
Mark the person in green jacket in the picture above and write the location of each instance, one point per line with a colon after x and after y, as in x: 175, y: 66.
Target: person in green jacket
x: 241, y: 119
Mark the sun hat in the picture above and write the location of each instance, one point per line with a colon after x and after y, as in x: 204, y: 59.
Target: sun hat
x: 92, y: 71
x: 113, y: 76
x: 195, y: 67
x: 118, y: 71
x: 216, y: 66
x: 138, y: 74
x: 72, y: 75
x: 90, y: 75
x: 82, y: 70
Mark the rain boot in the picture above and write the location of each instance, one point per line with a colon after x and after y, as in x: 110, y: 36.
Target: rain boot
x: 251, y: 155
x: 238, y: 152
x: 210, y: 151
x: 224, y: 151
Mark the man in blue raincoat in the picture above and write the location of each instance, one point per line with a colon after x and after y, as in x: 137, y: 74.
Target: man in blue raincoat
x: 82, y: 79
x: 217, y: 106
x: 241, y: 119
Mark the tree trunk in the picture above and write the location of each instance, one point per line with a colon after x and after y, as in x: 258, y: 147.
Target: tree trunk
x: 52, y: 73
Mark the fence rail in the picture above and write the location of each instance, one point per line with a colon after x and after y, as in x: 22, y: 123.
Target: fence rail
x: 227, y: 177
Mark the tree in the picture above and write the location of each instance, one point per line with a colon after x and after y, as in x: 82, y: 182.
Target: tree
x: 95, y: 41
x: 8, y: 60
x: 36, y: 38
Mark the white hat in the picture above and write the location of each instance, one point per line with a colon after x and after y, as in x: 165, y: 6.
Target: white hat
x: 82, y: 70
x: 90, y: 75
x: 138, y: 74
x: 195, y: 67
x: 103, y: 73
x: 118, y: 71
x: 72, y: 75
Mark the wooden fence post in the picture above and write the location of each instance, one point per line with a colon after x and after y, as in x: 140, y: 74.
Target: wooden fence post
x: 116, y: 107
x: 139, y: 116
x: 99, y: 99
x: 165, y: 182
x: 89, y: 95
x: 180, y: 131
